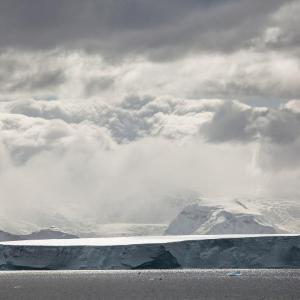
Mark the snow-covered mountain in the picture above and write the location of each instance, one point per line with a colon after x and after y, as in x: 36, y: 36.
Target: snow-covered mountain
x: 169, y: 252
x: 37, y: 235
x: 201, y: 219
x: 282, y: 212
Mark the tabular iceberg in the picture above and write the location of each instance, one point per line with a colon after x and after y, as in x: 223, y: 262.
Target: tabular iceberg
x: 231, y: 251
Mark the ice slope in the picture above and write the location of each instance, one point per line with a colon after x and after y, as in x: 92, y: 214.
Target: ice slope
x: 229, y: 251
x: 50, y: 234
x: 5, y: 236
x: 201, y: 219
x: 37, y: 235
x: 125, y: 229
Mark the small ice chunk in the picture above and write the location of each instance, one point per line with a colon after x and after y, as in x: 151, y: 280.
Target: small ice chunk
x: 235, y: 273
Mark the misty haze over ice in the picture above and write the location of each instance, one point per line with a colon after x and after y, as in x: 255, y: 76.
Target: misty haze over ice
x: 115, y: 117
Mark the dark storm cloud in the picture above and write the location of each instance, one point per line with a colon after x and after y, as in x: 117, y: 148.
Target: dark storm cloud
x: 231, y: 123
x: 40, y: 81
x: 96, y: 85
x: 15, y: 77
x: 161, y: 29
x: 236, y: 122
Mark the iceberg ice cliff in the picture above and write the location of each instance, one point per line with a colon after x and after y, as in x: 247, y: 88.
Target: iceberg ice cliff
x: 229, y: 251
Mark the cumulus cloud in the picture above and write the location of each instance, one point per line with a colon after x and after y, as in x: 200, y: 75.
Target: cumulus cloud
x: 31, y: 126
x: 26, y: 137
x: 133, y: 118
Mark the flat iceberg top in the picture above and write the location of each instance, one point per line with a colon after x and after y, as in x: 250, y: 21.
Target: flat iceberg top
x: 136, y: 240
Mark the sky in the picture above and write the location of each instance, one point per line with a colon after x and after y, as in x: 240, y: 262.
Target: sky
x: 118, y: 110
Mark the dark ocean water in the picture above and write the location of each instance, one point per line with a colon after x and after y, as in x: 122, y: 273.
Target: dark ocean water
x: 183, y: 284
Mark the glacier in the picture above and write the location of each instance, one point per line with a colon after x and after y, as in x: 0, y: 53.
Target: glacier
x: 164, y: 252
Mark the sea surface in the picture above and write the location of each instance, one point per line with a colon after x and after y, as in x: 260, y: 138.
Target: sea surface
x: 177, y: 284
